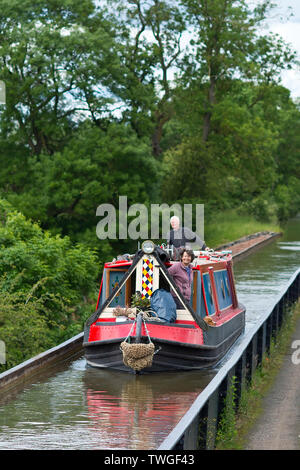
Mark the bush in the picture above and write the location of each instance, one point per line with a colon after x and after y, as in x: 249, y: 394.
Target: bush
x: 288, y: 199
x: 262, y: 208
x: 45, y: 286
x: 23, y: 329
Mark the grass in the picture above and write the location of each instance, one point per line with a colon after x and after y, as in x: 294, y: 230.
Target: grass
x: 229, y: 226
x: 234, y: 428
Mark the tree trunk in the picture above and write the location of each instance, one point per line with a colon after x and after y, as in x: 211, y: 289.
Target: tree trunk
x: 161, y: 120
x: 208, y: 114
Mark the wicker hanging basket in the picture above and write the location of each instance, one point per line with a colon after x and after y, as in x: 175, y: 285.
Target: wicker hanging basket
x: 137, y: 355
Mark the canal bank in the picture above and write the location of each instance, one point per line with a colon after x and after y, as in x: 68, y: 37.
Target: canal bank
x: 277, y: 426
x: 246, y: 245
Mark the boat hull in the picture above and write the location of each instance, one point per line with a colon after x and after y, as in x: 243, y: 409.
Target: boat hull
x: 172, y: 355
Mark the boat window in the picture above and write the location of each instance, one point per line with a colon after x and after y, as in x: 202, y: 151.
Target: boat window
x: 113, y: 279
x: 222, y: 288
x: 207, y: 289
x: 197, y: 298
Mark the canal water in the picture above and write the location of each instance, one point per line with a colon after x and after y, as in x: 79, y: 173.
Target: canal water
x: 75, y: 407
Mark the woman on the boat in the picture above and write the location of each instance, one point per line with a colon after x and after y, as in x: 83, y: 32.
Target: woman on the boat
x: 182, y: 274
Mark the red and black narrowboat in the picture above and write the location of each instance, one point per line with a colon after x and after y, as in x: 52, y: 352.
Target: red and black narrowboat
x: 199, y: 337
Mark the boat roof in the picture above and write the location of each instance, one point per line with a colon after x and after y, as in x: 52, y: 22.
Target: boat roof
x: 203, y: 260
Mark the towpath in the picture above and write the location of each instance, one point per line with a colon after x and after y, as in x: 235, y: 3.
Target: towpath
x: 244, y: 246
x: 278, y: 427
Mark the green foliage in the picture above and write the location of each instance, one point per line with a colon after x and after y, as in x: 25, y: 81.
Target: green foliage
x: 139, y: 302
x: 23, y: 328
x: 287, y: 197
x: 30, y: 256
x: 231, y: 224
x: 45, y: 284
x: 59, y: 55
x: 66, y: 188
x: 262, y: 208
x: 227, y: 431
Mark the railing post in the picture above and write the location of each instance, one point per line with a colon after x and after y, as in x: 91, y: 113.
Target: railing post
x: 274, y: 321
x: 280, y: 311
x: 202, y: 428
x: 261, y: 342
x: 277, y: 318
x: 212, y: 420
x: 251, y: 354
x: 240, y: 377
x: 269, y: 332
x: 191, y: 435
x: 294, y: 290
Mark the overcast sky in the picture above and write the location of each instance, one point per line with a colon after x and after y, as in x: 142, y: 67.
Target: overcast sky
x: 289, y: 29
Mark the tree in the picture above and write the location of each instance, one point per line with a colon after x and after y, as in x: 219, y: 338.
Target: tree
x: 57, y: 60
x: 227, y: 44
x: 47, y: 286
x: 236, y: 163
x: 152, y: 33
x: 97, y: 166
x: 23, y: 329
x: 230, y: 74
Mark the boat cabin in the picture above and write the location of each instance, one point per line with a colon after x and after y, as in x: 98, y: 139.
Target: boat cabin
x: 212, y: 287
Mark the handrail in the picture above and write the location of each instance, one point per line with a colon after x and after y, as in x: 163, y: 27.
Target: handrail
x: 248, y: 354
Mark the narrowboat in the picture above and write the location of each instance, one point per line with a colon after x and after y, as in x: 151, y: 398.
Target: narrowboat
x: 127, y: 332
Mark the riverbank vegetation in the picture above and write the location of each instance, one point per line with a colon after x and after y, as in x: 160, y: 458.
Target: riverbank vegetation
x: 47, y: 285
x: 230, y: 225
x: 160, y: 101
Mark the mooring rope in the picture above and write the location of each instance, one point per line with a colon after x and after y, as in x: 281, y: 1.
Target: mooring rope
x: 128, y: 312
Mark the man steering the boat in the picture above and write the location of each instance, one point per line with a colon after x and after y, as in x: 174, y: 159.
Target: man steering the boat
x: 180, y: 237
x: 182, y: 274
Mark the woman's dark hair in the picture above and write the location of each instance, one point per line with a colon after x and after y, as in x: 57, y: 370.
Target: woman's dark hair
x: 189, y: 252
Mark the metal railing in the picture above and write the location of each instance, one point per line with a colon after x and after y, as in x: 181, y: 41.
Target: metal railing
x: 197, y: 429
x: 27, y: 369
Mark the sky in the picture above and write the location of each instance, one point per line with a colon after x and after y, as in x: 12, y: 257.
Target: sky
x: 289, y: 30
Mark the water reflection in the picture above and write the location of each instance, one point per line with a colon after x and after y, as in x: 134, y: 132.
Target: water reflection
x: 138, y: 412
x: 85, y: 408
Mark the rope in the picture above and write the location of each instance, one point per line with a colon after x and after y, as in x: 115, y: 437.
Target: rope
x: 131, y: 330
x: 128, y: 312
x: 138, y: 356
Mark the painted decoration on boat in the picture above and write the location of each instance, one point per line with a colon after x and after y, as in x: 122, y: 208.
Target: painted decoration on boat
x: 147, y: 278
